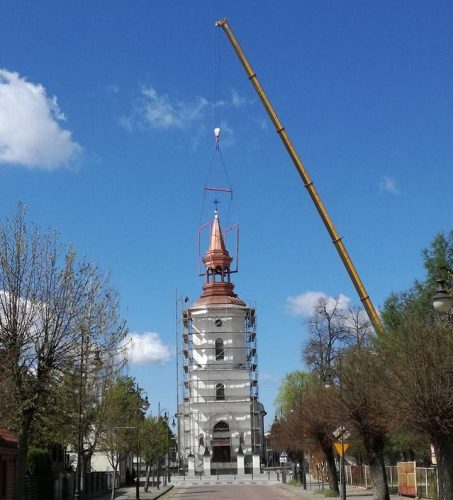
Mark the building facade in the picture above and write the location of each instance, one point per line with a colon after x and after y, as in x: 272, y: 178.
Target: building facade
x: 9, y: 449
x: 220, y: 413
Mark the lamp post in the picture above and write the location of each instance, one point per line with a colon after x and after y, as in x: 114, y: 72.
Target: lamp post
x: 137, y: 479
x: 79, y: 422
x: 167, y: 430
x: 143, y: 405
x: 173, y: 424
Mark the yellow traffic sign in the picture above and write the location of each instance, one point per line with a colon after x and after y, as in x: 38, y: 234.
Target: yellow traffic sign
x: 340, y: 447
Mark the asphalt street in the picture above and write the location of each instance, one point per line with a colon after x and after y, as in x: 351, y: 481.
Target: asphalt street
x: 256, y: 492
x: 233, y: 491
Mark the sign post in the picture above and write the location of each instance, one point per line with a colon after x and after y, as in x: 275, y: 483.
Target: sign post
x: 341, y: 433
x: 283, y: 460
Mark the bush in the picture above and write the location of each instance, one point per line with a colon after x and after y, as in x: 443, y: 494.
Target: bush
x: 39, y: 469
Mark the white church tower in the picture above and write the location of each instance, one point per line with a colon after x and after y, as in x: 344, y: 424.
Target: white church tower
x: 220, y: 415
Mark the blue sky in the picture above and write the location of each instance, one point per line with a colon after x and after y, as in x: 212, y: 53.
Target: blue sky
x: 106, y: 118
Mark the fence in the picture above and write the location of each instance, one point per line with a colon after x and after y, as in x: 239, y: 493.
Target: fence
x: 358, y: 475
x: 95, y: 483
x: 426, y: 482
x: 223, y: 468
x: 426, y: 479
x: 392, y: 478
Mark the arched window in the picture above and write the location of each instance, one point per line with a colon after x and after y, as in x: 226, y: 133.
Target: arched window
x: 220, y: 392
x: 221, y: 427
x: 219, y: 350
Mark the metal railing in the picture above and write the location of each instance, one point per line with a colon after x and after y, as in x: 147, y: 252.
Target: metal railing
x: 359, y: 475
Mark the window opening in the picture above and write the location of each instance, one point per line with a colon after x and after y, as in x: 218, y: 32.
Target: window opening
x: 219, y: 350
x: 220, y: 392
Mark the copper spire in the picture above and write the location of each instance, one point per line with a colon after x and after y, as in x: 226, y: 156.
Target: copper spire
x: 217, y: 254
x: 218, y: 289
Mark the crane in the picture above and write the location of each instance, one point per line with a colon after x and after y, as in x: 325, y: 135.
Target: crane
x: 308, y: 183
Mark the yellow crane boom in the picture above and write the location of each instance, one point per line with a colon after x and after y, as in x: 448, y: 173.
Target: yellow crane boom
x: 308, y: 183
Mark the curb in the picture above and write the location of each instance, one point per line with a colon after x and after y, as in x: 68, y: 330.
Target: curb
x: 162, y: 493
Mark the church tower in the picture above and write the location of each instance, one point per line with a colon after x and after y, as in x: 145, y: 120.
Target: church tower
x: 220, y: 414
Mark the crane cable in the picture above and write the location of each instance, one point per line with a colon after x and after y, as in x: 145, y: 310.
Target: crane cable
x: 217, y: 105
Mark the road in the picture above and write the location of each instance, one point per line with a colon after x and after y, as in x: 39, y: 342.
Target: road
x: 230, y: 492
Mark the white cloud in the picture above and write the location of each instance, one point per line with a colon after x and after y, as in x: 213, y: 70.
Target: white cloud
x: 112, y: 88
x: 389, y: 185
x: 226, y: 135
x: 146, y: 348
x: 238, y: 100
x: 160, y: 111
x: 30, y: 132
x: 305, y: 303
x: 197, y: 137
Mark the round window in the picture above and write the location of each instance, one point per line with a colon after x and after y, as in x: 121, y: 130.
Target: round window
x: 218, y: 322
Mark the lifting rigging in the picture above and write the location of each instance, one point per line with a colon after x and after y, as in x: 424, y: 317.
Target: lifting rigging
x: 308, y: 183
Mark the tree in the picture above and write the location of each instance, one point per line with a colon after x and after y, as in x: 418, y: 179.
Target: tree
x: 361, y: 395
x: 288, y: 432
x: 155, y: 437
x: 79, y: 400
x: 307, y: 409
x: 123, y: 419
x: 358, y: 326
x: 45, y: 295
x: 327, y: 330
x: 417, y: 349
x: 419, y: 355
x: 338, y: 334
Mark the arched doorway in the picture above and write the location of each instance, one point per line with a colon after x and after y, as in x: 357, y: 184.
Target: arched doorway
x: 221, y: 442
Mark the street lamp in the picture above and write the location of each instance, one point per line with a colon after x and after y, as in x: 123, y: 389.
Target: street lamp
x: 167, y: 430
x: 442, y: 300
x: 143, y: 405
x: 173, y: 424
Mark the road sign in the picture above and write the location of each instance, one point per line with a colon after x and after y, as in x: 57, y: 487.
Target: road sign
x: 283, y: 457
x: 341, y: 431
x: 340, y: 447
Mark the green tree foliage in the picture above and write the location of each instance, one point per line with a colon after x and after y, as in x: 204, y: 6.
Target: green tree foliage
x: 155, y: 437
x: 291, y: 392
x: 125, y: 408
x: 306, y: 421
x: 39, y: 472
x: 155, y: 440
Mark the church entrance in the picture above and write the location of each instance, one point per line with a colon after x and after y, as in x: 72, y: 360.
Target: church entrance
x: 221, y: 442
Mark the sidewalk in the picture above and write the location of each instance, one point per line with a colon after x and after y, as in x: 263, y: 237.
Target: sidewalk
x: 129, y: 492
x: 353, y: 492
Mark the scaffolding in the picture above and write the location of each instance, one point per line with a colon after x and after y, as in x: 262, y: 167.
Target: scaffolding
x: 220, y: 378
